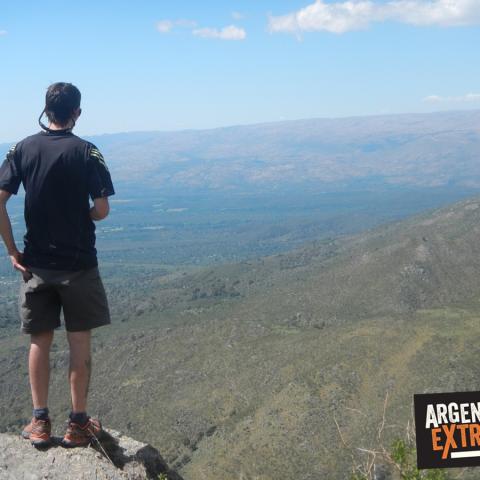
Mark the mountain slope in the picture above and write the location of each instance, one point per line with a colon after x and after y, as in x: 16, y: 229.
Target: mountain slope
x: 243, y: 369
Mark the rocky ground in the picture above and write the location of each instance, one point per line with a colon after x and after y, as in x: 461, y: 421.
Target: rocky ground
x: 115, y: 457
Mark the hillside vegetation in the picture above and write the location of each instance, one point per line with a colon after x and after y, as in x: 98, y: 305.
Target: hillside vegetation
x: 241, y: 370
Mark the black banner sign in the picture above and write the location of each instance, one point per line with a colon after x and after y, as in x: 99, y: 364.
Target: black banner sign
x: 447, y: 428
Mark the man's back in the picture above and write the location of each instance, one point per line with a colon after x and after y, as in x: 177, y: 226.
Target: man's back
x: 59, y: 171
x: 59, y: 264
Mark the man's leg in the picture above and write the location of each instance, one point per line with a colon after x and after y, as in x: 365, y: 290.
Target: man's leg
x: 81, y: 429
x: 85, y: 307
x: 39, y: 429
x: 39, y: 367
x: 80, y: 369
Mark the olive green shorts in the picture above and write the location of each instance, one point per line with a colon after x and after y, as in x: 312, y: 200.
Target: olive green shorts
x: 80, y: 294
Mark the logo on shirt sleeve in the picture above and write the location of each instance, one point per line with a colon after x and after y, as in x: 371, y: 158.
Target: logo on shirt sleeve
x: 95, y: 153
x: 11, y: 151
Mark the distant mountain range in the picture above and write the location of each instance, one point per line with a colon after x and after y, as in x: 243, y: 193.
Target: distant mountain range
x: 250, y: 369
x: 421, y: 150
x: 436, y: 149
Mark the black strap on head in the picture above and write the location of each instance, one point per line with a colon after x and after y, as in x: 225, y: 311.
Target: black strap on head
x: 50, y: 130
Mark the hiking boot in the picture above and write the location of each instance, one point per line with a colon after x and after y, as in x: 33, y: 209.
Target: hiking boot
x: 81, y: 436
x: 38, y: 432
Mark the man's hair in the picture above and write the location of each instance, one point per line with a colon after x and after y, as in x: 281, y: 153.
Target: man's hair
x: 61, y: 100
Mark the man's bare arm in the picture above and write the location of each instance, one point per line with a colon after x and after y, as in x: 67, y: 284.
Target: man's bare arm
x: 100, y: 209
x: 5, y: 224
x: 6, y: 232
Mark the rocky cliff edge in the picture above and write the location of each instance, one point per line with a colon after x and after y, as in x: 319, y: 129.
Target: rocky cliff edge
x: 113, y: 457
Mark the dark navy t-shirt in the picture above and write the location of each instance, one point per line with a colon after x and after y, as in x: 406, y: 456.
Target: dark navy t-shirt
x: 59, y: 172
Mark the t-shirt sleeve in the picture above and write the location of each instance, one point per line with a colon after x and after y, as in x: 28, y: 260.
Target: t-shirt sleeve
x: 10, y: 172
x: 99, y: 180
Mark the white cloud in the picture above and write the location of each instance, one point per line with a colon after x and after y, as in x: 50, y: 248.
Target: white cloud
x: 231, y: 32
x: 166, y: 26
x: 432, y: 99
x: 469, y: 97
x: 3, y: 33
x: 472, y: 97
x: 226, y: 33
x: 344, y: 16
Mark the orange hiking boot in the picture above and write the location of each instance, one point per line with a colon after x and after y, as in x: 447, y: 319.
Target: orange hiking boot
x: 81, y: 436
x: 38, y: 432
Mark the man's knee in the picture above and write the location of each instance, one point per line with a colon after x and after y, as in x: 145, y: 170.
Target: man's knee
x: 42, y: 339
x: 79, y: 343
x: 79, y: 338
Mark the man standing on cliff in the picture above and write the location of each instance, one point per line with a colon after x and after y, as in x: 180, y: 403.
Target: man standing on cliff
x: 59, y: 172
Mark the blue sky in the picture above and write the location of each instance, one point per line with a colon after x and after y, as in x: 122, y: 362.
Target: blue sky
x: 163, y: 65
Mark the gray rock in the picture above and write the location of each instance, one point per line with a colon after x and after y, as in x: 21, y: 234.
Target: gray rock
x: 114, y: 457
